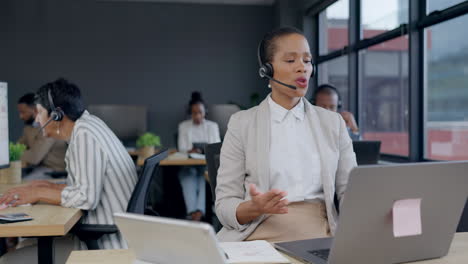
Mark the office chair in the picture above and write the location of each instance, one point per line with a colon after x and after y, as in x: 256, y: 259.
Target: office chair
x: 367, y: 152
x: 212, y: 152
x: 57, y: 174
x: 90, y: 233
x: 220, y: 114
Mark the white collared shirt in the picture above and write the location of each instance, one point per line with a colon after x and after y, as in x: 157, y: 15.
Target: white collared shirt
x: 294, y: 158
x: 189, y: 133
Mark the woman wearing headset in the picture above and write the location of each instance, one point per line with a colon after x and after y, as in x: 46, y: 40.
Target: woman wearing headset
x: 328, y: 97
x: 101, y: 173
x: 283, y: 161
x: 192, y: 131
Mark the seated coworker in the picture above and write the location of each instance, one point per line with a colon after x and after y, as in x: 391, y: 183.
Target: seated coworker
x: 101, y: 173
x: 44, y: 154
x: 283, y: 161
x: 195, y: 130
x: 328, y: 97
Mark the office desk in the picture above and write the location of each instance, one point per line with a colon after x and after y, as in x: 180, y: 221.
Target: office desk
x: 49, y: 221
x: 458, y: 254
x: 183, y: 162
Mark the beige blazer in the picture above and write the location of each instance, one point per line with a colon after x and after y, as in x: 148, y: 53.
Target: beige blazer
x: 42, y: 151
x: 245, y: 159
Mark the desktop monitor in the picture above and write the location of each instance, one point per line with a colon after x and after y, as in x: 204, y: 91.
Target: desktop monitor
x: 128, y: 122
x: 4, y: 149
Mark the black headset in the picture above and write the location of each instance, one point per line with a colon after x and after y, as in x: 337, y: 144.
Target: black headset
x: 322, y: 87
x: 266, y: 69
x: 57, y: 113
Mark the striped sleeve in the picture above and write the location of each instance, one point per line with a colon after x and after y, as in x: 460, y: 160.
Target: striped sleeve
x: 88, y: 172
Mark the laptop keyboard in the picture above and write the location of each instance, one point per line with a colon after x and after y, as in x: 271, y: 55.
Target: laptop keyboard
x: 321, y: 253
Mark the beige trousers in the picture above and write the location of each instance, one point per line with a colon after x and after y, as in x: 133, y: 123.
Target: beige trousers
x: 304, y: 220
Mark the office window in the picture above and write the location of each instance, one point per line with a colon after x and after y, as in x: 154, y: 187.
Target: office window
x: 446, y: 128
x: 433, y: 5
x: 383, y: 95
x: 378, y: 17
x: 333, y: 27
x: 335, y: 72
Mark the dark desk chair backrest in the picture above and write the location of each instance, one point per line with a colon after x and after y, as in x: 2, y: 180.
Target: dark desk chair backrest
x: 212, y: 152
x: 139, y: 198
x: 367, y: 152
x: 90, y: 233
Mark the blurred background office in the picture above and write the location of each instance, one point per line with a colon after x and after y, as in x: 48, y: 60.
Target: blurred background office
x: 400, y: 65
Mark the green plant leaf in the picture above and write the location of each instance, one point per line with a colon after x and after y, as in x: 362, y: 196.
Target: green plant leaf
x: 16, y: 151
x: 148, y: 139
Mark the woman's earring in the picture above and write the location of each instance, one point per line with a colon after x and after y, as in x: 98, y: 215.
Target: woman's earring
x: 269, y: 86
x: 58, y: 129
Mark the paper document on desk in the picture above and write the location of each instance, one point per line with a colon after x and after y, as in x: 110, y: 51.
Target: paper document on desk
x: 178, y: 156
x: 258, y: 251
x: 197, y: 156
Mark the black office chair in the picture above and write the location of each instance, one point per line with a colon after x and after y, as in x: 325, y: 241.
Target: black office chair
x: 57, y: 174
x: 367, y: 152
x: 212, y: 152
x: 90, y: 233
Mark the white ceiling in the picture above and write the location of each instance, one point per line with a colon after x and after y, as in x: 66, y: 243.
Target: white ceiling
x: 227, y: 2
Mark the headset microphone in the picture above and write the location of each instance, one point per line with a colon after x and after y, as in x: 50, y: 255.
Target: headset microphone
x: 42, y: 127
x: 48, y: 121
x: 262, y: 74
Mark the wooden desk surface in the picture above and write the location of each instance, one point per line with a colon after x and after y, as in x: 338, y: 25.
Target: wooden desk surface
x: 184, y: 162
x: 172, y: 162
x: 458, y: 254
x: 49, y: 220
x: 181, y: 162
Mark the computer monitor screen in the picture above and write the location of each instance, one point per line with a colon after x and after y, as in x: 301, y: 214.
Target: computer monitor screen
x: 128, y: 122
x: 4, y: 150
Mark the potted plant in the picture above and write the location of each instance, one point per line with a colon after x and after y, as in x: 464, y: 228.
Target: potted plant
x: 13, y: 173
x: 147, y: 144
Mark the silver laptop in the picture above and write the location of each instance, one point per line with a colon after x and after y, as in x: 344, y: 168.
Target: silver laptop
x: 365, y: 230
x: 162, y: 240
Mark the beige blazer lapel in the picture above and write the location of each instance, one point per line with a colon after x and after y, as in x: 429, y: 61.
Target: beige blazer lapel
x: 327, y: 164
x: 263, y: 145
x: 324, y: 151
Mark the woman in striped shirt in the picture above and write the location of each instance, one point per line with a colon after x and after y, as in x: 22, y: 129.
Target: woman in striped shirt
x: 101, y: 174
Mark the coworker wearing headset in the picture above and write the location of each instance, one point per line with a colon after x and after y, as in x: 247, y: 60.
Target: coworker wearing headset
x: 328, y: 97
x: 43, y: 154
x: 101, y: 173
x: 195, y: 130
x: 283, y: 161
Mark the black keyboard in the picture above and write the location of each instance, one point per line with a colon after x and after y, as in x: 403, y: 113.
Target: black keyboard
x: 321, y: 253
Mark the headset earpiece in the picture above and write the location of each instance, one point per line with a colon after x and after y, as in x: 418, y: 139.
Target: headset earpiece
x: 266, y: 69
x: 57, y: 113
